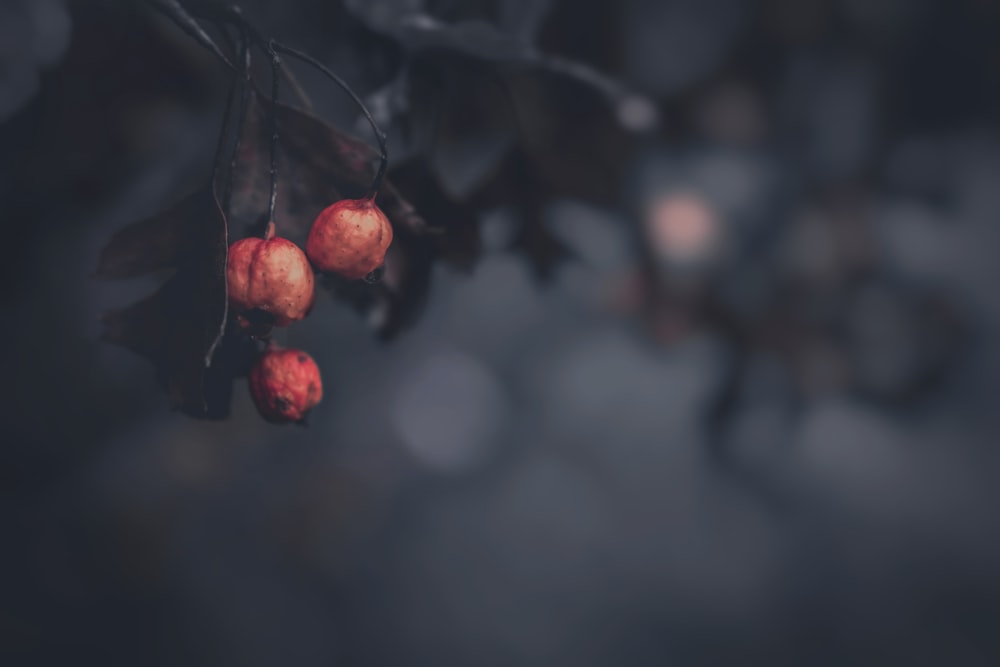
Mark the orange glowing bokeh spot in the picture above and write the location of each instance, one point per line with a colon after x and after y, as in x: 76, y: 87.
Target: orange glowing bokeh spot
x: 682, y: 227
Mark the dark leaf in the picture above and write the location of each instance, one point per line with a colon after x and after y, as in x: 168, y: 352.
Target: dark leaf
x: 404, y: 287
x: 499, y: 33
x: 180, y: 327
x: 153, y: 244
x: 568, y: 144
x: 569, y: 134
x: 317, y: 165
x: 397, y: 299
x: 476, y: 121
x: 474, y: 76
x: 457, y: 238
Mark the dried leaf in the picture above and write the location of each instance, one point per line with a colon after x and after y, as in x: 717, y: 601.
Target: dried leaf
x: 180, y: 326
x: 477, y: 124
x: 317, y: 165
x: 397, y: 299
x: 153, y: 244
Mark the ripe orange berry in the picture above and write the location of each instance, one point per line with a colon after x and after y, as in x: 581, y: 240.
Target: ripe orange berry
x: 350, y: 238
x: 270, y: 276
x: 285, y: 384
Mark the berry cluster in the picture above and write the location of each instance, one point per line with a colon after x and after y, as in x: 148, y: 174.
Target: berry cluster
x: 271, y: 284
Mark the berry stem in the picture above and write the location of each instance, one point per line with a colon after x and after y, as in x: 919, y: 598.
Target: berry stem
x: 217, y: 163
x: 275, y: 77
x: 232, y: 14
x: 224, y: 128
x: 379, y: 135
x: 288, y: 75
x: 245, y: 89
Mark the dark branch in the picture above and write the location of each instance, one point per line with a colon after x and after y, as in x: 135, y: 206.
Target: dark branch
x: 173, y: 10
x: 275, y: 77
x: 245, y: 90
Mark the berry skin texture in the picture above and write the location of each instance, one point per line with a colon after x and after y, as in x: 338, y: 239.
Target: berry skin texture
x: 285, y: 384
x: 349, y: 238
x: 270, y: 276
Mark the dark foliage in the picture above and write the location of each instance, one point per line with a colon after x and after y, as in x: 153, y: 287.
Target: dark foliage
x: 505, y: 132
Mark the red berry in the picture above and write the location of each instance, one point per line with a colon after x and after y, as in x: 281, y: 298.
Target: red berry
x: 271, y: 276
x: 349, y: 238
x: 285, y: 384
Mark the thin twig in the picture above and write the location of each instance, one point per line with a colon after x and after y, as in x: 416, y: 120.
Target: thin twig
x: 379, y: 135
x: 608, y: 86
x: 245, y: 91
x: 275, y: 77
x: 217, y: 163
x: 293, y: 81
x: 233, y: 15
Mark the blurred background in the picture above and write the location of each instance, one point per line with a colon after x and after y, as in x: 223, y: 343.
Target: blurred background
x: 708, y: 374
